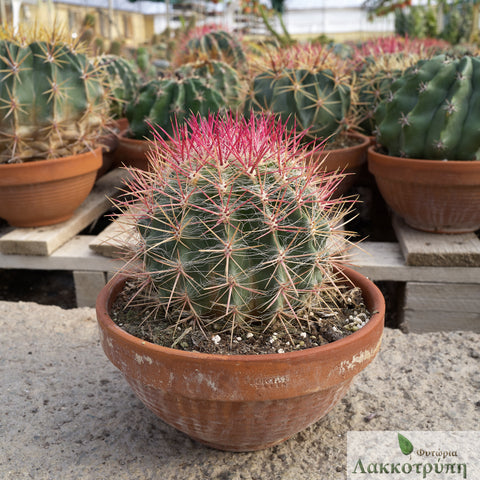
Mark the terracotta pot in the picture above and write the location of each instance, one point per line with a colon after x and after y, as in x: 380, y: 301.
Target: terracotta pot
x: 241, y: 402
x: 110, y: 145
x: 131, y: 152
x: 430, y: 195
x: 349, y: 161
x: 46, y: 192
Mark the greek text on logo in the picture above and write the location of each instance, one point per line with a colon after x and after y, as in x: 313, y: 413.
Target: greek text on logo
x: 420, y: 455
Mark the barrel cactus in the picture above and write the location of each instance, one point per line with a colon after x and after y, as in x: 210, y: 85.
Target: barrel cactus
x: 53, y: 101
x: 234, y: 228
x: 318, y: 102
x: 431, y: 110
x: 167, y: 101
x: 308, y: 86
x: 124, y: 81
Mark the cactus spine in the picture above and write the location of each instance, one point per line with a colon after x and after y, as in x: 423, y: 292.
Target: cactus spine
x: 234, y: 227
x: 52, y: 101
x: 432, y: 111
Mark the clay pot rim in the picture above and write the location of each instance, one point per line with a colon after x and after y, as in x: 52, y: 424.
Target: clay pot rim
x: 108, y: 294
x: 51, y: 161
x: 122, y: 137
x: 373, y: 149
x: 31, y: 172
x: 360, y: 146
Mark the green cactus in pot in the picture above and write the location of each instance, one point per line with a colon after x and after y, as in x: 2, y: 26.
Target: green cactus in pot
x: 235, y: 231
x: 308, y: 87
x: 374, y: 83
x: 431, y: 111
x: 166, y: 101
x: 53, y: 101
x: 124, y: 81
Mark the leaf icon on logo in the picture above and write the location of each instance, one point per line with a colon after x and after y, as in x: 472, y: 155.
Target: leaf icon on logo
x: 405, y: 444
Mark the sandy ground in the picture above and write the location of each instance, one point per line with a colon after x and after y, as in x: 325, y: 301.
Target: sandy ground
x: 67, y: 413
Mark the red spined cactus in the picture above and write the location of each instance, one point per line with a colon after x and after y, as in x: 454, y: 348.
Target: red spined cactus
x: 234, y: 227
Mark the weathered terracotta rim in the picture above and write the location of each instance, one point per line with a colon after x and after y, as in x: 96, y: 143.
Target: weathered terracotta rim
x: 41, y: 171
x: 372, y: 296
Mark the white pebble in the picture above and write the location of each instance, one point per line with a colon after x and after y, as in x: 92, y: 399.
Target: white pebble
x: 216, y: 339
x: 249, y: 335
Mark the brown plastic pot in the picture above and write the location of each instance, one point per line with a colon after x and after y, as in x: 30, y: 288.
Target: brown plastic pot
x: 241, y: 402
x: 349, y: 161
x: 430, y: 195
x: 46, y: 192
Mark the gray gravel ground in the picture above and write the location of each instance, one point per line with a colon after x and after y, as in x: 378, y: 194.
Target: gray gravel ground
x: 66, y: 412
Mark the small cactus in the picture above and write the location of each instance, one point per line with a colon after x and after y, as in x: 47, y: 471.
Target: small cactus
x: 234, y: 227
x: 431, y: 111
x: 53, y: 101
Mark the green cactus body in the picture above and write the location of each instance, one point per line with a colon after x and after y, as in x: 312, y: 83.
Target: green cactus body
x: 236, y: 246
x: 124, y: 82
x: 218, y: 75
x: 432, y: 111
x: 375, y: 82
x: 53, y: 102
x: 161, y: 102
x: 310, y: 100
x: 216, y: 45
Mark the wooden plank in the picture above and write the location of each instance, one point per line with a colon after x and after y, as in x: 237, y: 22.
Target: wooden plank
x: 419, y: 321
x: 377, y: 260
x: 444, y: 297
x: 433, y: 249
x: 45, y: 240
x: 74, y: 255
x: 384, y: 261
x: 88, y: 286
x: 113, y: 240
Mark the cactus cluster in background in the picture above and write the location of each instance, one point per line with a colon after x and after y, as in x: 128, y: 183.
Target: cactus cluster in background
x: 432, y: 109
x: 53, y: 100
x: 219, y: 76
x: 211, y: 43
x: 164, y: 102
x: 234, y: 227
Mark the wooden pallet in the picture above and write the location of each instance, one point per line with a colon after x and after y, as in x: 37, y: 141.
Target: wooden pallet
x: 45, y: 240
x: 447, y: 250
